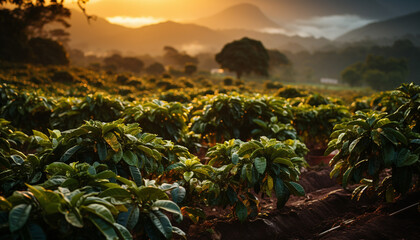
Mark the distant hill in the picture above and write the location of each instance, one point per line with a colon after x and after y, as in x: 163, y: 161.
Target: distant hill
x: 101, y: 36
x: 286, y: 10
x: 398, y: 8
x: 240, y: 16
x: 392, y: 28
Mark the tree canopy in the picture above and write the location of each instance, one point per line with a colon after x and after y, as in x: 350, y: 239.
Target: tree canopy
x: 26, y: 21
x: 378, y: 72
x: 244, y: 56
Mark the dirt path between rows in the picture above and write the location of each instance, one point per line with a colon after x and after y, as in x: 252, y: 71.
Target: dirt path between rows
x: 325, y: 206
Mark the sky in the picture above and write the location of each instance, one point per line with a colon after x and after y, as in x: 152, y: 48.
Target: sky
x: 137, y: 13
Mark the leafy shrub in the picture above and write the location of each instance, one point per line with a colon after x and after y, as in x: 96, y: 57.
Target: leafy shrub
x: 273, y: 85
x: 290, y: 92
x: 265, y: 166
x: 228, y: 81
x: 62, y: 76
x: 225, y: 117
x: 315, y: 124
x: 374, y: 145
x: 72, y: 112
x: 168, y: 120
x: 26, y: 111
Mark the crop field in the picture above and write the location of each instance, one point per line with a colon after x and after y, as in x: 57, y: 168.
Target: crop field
x: 87, y: 154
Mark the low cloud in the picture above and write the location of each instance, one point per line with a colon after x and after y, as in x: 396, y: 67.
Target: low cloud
x: 134, y: 22
x: 327, y: 26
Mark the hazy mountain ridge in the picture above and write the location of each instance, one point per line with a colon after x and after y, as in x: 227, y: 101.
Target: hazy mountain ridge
x: 101, y: 36
x: 392, y: 28
x: 240, y: 16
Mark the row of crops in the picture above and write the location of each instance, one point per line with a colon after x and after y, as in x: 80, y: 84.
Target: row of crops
x: 100, y: 166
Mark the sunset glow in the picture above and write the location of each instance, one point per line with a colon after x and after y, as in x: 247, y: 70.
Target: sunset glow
x: 134, y: 22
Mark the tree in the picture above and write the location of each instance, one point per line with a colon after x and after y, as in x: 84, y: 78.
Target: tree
x: 244, y: 56
x: 155, y: 69
x: 25, y: 21
x: 132, y: 64
x: 190, y: 68
x: 277, y: 59
x: 47, y: 52
x: 378, y: 72
x: 173, y: 57
x: 352, y: 75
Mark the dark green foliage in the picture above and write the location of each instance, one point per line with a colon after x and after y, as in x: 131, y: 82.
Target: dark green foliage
x: 225, y: 117
x: 47, y: 52
x: 72, y: 112
x: 373, y: 143
x: 190, y: 68
x: 378, y: 72
x: 167, y: 120
x: 155, y: 69
x: 62, y: 76
x: 244, y: 57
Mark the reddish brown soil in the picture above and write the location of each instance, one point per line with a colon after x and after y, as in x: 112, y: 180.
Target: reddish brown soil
x: 326, y: 205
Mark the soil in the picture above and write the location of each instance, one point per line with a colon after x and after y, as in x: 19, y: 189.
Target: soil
x: 326, y: 212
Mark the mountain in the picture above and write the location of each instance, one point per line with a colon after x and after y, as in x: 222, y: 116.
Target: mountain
x: 240, y: 16
x: 398, y: 8
x: 390, y: 29
x: 102, y: 37
x: 288, y: 10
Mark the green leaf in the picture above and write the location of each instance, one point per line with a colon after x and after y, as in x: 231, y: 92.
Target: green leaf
x: 162, y: 223
x: 102, y: 151
x: 282, y: 192
x: 179, y: 232
x: 115, y: 193
x: 107, y: 174
x: 146, y: 150
x: 69, y: 153
x: 346, y: 176
x: 41, y: 135
x: 246, y: 147
x: 123, y: 232
x: 74, y: 217
x: 397, y: 134
x: 136, y: 175
x: 101, y: 211
x: 150, y: 194
x: 408, y: 161
x: 260, y: 164
x: 188, y: 175
x: 241, y: 211
x: 360, y: 123
x: 18, y: 160
x: 130, y: 218
x: 59, y: 168
x: 275, y: 128
x: 296, y: 188
x: 112, y: 141
x: 260, y: 123
x: 106, y: 228
x: 18, y: 216
x: 283, y: 161
x: 167, y: 205
x: 130, y: 158
x: 235, y: 158
x: 117, y: 156
x: 178, y: 194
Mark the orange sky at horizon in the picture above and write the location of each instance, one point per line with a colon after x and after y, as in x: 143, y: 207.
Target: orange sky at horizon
x: 136, y: 13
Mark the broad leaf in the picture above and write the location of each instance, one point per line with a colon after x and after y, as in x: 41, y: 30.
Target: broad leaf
x: 18, y: 216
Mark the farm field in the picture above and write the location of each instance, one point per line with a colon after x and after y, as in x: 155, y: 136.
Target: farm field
x: 87, y: 153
